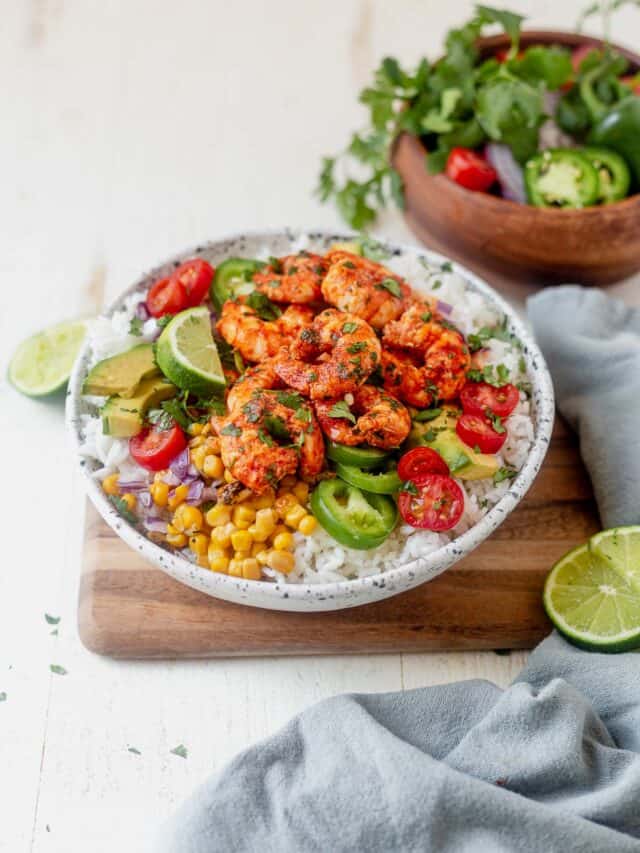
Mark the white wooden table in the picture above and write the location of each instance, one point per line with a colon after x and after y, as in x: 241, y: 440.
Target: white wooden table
x: 130, y: 130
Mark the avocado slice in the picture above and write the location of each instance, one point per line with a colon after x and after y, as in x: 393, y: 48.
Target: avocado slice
x: 124, y: 417
x: 424, y: 432
x: 121, y: 374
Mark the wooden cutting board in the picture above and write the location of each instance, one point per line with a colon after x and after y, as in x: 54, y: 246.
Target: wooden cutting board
x: 490, y: 600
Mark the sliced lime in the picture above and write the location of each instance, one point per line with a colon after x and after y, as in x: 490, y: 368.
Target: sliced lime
x: 42, y: 364
x: 593, y: 599
x: 187, y: 354
x: 619, y: 547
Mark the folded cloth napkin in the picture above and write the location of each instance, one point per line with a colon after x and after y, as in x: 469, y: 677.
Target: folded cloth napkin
x: 592, y: 345
x: 552, y: 763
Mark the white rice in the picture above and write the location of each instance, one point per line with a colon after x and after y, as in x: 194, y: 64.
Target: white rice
x: 319, y: 558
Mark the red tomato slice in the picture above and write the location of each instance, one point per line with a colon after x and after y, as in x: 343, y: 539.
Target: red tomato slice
x: 470, y: 170
x: 154, y: 449
x: 436, y: 504
x: 167, y: 296
x: 477, y: 431
x: 195, y: 276
x: 477, y: 397
x: 419, y: 461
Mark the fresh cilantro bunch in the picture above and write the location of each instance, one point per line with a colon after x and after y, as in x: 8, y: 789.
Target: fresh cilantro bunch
x: 457, y: 101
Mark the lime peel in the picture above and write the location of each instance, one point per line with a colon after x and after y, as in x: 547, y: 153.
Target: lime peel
x: 42, y: 364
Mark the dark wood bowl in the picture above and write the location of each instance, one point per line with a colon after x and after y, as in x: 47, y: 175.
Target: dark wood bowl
x: 595, y: 245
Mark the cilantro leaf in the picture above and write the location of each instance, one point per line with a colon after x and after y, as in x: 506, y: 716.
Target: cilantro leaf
x: 179, y: 750
x: 342, y: 410
x: 504, y: 474
x: 231, y: 429
x: 263, y: 306
x: 427, y: 415
x: 391, y: 285
x: 51, y: 620
x: 496, y: 422
x: 57, y: 670
x: 123, y: 509
x: 135, y: 326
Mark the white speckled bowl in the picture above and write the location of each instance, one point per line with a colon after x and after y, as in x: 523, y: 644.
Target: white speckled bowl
x: 331, y: 596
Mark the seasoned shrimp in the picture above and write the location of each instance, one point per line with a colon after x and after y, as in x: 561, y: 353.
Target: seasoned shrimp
x: 381, y: 420
x: 268, y: 434
x: 364, y: 288
x: 332, y: 357
x: 416, y: 328
x: 295, y: 278
x: 403, y: 375
x: 254, y: 338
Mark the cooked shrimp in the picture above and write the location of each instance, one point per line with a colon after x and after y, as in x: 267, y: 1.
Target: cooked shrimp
x: 382, y: 421
x: 416, y: 328
x: 268, y: 434
x: 364, y: 288
x: 403, y: 375
x: 332, y: 357
x: 254, y: 338
x: 295, y: 278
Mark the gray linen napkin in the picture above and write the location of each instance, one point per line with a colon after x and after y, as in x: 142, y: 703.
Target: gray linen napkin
x: 592, y: 345
x: 552, y: 763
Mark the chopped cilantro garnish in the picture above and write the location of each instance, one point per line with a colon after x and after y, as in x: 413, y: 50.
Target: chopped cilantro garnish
x: 446, y: 266
x: 277, y: 428
x: 427, y: 415
x: 263, y: 306
x: 357, y: 347
x: 409, y: 487
x: 497, y: 377
x: 391, y: 285
x: 496, y: 421
x: 163, y: 321
x: 341, y: 410
x: 437, y: 284
x: 349, y: 328
x: 231, y: 429
x: 123, y: 509
x: 135, y: 326
x: 504, y: 474
x: 349, y: 265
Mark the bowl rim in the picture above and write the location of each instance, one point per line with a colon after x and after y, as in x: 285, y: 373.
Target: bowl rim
x: 566, y: 38
x: 427, y: 566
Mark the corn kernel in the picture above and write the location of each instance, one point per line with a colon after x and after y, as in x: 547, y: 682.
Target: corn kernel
x: 203, y: 561
x: 197, y: 442
x: 197, y: 456
x: 263, y: 557
x: 198, y: 543
x: 159, y: 493
x: 251, y: 569
x: 221, y: 536
x: 283, y: 542
x: 264, y: 525
x: 243, y: 516
x: 285, y: 502
x: 175, y: 538
x: 213, y: 443
x: 218, y: 560
x: 257, y: 548
x: 307, y: 525
x: 295, y: 516
x: 219, y: 515
x: 187, y: 519
x: 179, y: 496
x: 241, y: 554
x: 110, y: 484
x: 281, y: 561
x: 235, y: 568
x: 196, y: 429
x: 228, y: 476
x: 130, y: 501
x: 241, y: 540
x: 264, y: 501
x: 213, y: 467
x: 301, y: 491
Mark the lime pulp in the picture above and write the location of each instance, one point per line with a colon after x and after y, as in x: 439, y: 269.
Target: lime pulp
x: 42, y: 364
x: 187, y: 354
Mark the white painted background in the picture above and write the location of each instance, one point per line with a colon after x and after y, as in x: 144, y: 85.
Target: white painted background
x: 129, y: 130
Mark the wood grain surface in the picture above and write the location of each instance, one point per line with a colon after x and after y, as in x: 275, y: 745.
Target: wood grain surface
x: 490, y: 600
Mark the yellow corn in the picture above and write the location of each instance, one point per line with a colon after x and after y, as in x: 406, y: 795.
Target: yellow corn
x: 283, y: 542
x: 264, y: 501
x: 218, y: 560
x: 221, y: 536
x: 241, y: 554
x: 197, y: 456
x: 175, y: 538
x: 219, y: 515
x: 301, y: 491
x: 196, y: 429
x: 187, y: 519
x: 180, y: 496
x: 257, y: 548
x: 213, y: 467
x: 243, y: 516
x: 241, y: 540
x: 198, y: 543
x: 307, y: 525
x: 281, y: 561
x: 295, y: 516
x: 110, y: 485
x: 130, y: 501
x: 262, y: 557
x: 264, y: 525
x: 235, y: 568
x: 203, y: 561
x: 197, y: 442
x: 228, y: 476
x: 285, y: 502
x: 159, y: 493
x: 251, y: 569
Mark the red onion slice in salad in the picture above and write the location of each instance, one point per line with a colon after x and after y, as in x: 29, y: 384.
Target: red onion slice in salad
x: 179, y: 465
x: 444, y: 307
x: 510, y: 174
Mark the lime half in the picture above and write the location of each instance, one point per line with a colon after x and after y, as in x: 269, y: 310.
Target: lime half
x: 42, y: 364
x: 187, y: 355
x: 592, y: 595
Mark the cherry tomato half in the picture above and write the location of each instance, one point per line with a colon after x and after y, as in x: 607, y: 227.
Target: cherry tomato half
x: 477, y: 431
x: 167, y: 296
x: 195, y: 276
x: 154, y: 449
x: 470, y: 170
x: 477, y: 397
x: 435, y: 502
x: 419, y: 461
x: 633, y: 82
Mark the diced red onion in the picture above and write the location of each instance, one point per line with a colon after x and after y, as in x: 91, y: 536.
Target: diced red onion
x: 444, y: 307
x: 194, y: 495
x: 510, y: 174
x: 145, y: 499
x: 179, y: 465
x: 209, y: 493
x: 170, y: 479
x: 155, y: 525
x: 133, y: 485
x: 142, y: 312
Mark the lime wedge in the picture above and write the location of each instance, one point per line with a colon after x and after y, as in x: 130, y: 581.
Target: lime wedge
x: 592, y: 594
x: 187, y: 355
x: 42, y: 364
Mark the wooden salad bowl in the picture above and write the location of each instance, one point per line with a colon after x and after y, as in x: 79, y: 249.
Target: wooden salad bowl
x: 595, y: 245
